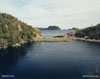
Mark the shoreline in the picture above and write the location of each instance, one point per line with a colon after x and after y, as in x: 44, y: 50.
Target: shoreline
x: 52, y: 40
x: 87, y: 40
x: 39, y: 40
x: 14, y: 45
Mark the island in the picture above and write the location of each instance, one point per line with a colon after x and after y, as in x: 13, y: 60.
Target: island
x: 51, y: 28
x: 73, y: 28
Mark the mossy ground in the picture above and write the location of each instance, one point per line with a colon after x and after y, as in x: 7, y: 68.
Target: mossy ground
x: 53, y: 40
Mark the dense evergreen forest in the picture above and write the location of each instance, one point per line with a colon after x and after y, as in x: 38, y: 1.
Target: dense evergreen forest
x: 14, y: 31
x: 90, y: 32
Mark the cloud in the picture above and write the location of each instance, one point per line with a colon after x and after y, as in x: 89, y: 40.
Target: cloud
x: 64, y: 13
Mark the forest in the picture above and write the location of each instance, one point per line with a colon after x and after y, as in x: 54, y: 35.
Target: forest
x: 89, y: 33
x: 14, y: 31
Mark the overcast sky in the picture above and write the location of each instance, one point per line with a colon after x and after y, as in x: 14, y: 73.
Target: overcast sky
x: 63, y: 13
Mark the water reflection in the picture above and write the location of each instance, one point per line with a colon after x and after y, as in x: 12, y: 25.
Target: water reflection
x: 69, y: 60
x: 10, y: 56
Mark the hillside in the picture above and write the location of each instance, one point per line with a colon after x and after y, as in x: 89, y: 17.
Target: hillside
x: 89, y: 33
x: 13, y: 31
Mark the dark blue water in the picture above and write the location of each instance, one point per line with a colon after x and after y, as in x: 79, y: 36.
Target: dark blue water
x: 50, y: 60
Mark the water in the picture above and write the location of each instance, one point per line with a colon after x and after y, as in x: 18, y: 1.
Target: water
x: 50, y: 60
x: 44, y: 60
x: 51, y: 33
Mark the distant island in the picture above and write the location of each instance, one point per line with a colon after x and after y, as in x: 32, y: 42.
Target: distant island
x: 73, y: 28
x: 51, y: 28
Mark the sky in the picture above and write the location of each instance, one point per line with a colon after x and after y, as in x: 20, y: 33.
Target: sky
x: 63, y: 13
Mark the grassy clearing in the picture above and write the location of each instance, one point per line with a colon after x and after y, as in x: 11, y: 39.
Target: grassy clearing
x: 77, y: 38
x: 53, y: 40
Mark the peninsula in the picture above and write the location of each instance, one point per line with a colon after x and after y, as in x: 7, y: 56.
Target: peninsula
x: 89, y: 34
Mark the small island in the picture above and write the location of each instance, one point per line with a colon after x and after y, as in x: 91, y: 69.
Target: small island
x: 73, y: 28
x: 51, y: 28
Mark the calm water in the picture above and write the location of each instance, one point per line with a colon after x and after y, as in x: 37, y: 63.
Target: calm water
x: 51, y: 33
x: 50, y: 60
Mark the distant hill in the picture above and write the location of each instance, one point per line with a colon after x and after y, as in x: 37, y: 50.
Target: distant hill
x: 14, y: 31
x: 51, y: 28
x: 73, y: 28
x: 90, y: 32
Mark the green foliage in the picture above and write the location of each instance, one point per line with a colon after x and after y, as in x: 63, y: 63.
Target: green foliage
x: 90, y: 32
x: 13, y: 31
x: 53, y: 40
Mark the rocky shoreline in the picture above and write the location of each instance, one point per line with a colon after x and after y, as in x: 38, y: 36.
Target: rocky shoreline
x: 14, y: 45
x: 71, y: 35
x: 66, y: 35
x: 40, y: 40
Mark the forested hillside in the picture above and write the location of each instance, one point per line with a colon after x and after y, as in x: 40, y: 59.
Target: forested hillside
x: 90, y: 32
x: 13, y: 31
